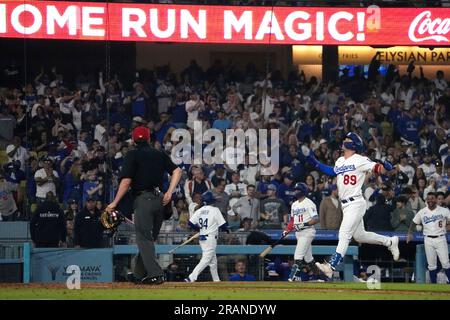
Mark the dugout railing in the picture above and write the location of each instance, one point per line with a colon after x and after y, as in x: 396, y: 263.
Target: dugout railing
x: 48, y: 264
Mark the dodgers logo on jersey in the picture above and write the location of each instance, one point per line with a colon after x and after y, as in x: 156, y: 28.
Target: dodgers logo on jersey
x: 298, y: 211
x: 433, y: 218
x: 344, y: 168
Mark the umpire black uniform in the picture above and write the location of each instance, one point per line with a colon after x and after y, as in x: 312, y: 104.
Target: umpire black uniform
x: 143, y: 170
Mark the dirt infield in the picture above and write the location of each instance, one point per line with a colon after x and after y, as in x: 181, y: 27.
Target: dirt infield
x: 226, y: 290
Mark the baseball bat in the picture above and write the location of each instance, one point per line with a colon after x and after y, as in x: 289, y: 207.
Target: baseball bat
x: 195, y: 236
x: 269, y: 248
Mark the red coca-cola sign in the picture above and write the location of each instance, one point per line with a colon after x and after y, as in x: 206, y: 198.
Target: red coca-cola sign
x: 224, y: 24
x: 425, y: 27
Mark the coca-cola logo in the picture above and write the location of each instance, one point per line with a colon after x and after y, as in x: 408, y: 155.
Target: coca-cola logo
x: 424, y: 28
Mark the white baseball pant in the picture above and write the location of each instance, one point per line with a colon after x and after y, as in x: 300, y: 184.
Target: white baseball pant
x: 303, y: 249
x: 352, y: 226
x: 209, y: 258
x: 436, y: 247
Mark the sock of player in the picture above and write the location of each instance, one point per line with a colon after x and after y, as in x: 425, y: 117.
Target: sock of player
x: 433, y: 276
x: 335, y: 260
x: 447, y: 273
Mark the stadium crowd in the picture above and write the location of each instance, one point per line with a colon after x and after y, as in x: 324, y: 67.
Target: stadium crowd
x: 71, y: 136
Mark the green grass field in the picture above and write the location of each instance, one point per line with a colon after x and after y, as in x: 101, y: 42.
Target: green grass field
x: 229, y: 291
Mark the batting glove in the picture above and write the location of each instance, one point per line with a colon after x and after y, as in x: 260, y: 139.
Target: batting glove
x: 388, y: 166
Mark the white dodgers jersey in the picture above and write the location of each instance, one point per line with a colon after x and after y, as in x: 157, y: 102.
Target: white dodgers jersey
x: 209, y: 219
x: 434, y: 221
x: 303, y: 211
x: 351, y: 173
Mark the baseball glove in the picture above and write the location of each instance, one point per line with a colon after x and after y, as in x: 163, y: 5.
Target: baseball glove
x: 111, y: 220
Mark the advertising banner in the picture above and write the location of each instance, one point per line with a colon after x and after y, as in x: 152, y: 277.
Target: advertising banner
x: 361, y: 55
x: 50, y: 265
x: 224, y: 24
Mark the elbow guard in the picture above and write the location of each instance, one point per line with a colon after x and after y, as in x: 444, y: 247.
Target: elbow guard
x: 194, y: 226
x: 225, y: 227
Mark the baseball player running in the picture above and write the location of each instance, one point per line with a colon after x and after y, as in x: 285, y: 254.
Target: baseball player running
x: 350, y: 171
x: 434, y: 220
x: 303, y: 218
x: 207, y: 220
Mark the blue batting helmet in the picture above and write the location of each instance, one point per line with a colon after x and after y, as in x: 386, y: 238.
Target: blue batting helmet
x: 208, y: 198
x: 356, y: 144
x: 301, y: 189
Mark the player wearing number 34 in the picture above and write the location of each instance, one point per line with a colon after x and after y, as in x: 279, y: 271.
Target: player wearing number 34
x: 351, y: 170
x: 207, y: 220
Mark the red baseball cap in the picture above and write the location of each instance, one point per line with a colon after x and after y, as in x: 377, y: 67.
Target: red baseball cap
x: 141, y: 134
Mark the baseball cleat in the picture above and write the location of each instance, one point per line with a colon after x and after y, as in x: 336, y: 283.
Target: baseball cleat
x: 187, y: 280
x: 131, y: 278
x: 393, y: 248
x: 325, y: 268
x: 152, y: 280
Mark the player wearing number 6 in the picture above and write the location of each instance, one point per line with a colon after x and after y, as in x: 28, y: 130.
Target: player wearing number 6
x: 350, y: 171
x: 207, y: 220
x: 434, y: 220
x: 303, y: 218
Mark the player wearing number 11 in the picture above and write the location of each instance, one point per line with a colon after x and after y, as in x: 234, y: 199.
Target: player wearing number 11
x: 350, y: 170
x: 207, y: 220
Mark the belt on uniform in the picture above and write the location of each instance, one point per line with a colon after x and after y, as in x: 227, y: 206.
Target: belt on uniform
x: 434, y: 237
x: 203, y: 237
x: 155, y: 192
x: 348, y: 200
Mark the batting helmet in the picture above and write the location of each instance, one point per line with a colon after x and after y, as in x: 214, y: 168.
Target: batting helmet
x: 208, y: 198
x: 356, y: 144
x: 301, y: 189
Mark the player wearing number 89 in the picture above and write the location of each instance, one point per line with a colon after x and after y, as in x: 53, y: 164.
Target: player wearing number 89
x: 434, y: 220
x: 350, y: 170
x: 303, y: 218
x: 207, y: 220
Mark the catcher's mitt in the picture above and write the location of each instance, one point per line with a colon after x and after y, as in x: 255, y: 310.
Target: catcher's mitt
x: 111, y: 220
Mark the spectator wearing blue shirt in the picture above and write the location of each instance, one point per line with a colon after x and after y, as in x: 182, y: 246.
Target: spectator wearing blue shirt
x: 262, y: 187
x: 162, y: 127
x: 139, y: 101
x: 222, y: 123
x: 294, y: 159
x: 241, y: 275
x: 395, y: 112
x: 333, y: 124
x: 210, y: 112
x: 409, y: 125
x: 92, y: 187
x: 178, y: 110
x: 286, y: 189
x: 73, y: 183
x: 33, y: 166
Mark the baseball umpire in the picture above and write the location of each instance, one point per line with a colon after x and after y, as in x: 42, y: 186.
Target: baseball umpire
x: 143, y: 170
